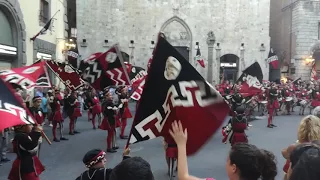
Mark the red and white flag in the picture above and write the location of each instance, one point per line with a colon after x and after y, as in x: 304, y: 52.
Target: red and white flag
x: 101, y: 70
x: 27, y: 76
x: 65, y: 72
x: 273, y: 59
x: 251, y: 79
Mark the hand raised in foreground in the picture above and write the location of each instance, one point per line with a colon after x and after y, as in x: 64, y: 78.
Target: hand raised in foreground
x: 179, y: 135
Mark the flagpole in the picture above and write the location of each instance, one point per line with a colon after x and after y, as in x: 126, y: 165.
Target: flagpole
x: 34, y: 37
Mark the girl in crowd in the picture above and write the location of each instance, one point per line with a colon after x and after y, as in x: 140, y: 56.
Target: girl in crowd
x: 245, y: 161
x: 309, y: 130
x: 305, y: 162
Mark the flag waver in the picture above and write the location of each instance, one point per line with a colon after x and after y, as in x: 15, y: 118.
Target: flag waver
x: 174, y: 90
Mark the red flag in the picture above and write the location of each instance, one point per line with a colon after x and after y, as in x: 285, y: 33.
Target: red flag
x: 25, y: 76
x: 273, y: 59
x: 314, y: 72
x: 251, y: 78
x: 174, y: 90
x: 68, y: 76
x: 12, y: 111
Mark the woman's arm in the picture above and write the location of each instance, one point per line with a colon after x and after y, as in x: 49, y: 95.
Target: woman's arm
x: 180, y: 136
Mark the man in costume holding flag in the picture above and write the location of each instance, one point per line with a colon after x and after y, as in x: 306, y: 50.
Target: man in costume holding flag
x: 183, y: 95
x: 272, y: 105
x: 57, y: 117
x: 109, y: 110
x: 27, y: 165
x: 124, y: 112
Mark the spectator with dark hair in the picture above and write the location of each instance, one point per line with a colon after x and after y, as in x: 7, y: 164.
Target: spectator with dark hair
x: 245, y: 161
x: 95, y: 161
x: 305, y: 162
x: 134, y: 168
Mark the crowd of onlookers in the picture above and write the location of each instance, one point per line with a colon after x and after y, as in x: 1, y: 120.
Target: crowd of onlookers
x: 244, y: 162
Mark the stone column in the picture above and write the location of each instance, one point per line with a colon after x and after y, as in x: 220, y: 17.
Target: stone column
x: 263, y: 59
x: 210, y: 41
x: 241, y: 65
x: 217, y: 68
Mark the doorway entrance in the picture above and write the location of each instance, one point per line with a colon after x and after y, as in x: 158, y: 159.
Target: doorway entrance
x: 229, y: 67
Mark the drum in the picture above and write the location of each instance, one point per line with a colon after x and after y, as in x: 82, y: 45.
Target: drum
x: 288, y: 99
x: 228, y: 97
x: 263, y: 102
x: 303, y: 102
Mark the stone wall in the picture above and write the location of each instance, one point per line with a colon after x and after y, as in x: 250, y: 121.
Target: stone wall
x: 305, y: 23
x: 185, y: 22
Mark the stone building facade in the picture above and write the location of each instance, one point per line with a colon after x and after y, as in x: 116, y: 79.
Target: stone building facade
x: 295, y: 35
x: 19, y: 23
x: 233, y: 33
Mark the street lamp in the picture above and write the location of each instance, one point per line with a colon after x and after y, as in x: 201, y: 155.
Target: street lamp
x: 309, y: 60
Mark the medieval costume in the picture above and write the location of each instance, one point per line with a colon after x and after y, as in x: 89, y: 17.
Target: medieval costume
x: 27, y: 165
x: 238, y: 124
x: 288, y: 95
x: 236, y: 101
x: 69, y: 107
x: 95, y: 170
x: 109, y: 122
x: 124, y: 112
x: 272, y: 105
x: 77, y: 111
x: 303, y: 100
x: 96, y: 110
x: 36, y: 110
x: 57, y: 118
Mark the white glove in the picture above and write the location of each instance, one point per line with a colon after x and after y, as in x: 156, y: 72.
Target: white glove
x: 120, y: 106
x: 115, y: 108
x: 40, y: 140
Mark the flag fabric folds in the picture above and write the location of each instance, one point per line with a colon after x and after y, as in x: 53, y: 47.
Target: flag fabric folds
x: 137, y: 73
x: 68, y: 76
x: 12, y: 111
x: 251, y: 79
x: 101, y: 70
x: 273, y: 59
x: 43, y: 30
x: 26, y: 76
x: 174, y: 90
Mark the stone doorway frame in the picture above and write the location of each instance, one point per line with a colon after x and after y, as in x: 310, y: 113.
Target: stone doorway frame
x: 12, y: 9
x: 184, y: 24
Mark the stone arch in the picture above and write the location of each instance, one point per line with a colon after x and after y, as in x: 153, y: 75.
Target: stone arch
x: 11, y: 8
x: 179, y: 35
x: 227, y: 61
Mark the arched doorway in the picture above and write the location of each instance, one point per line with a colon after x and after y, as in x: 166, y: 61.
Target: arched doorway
x: 12, y: 36
x: 229, y: 64
x: 178, y: 34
